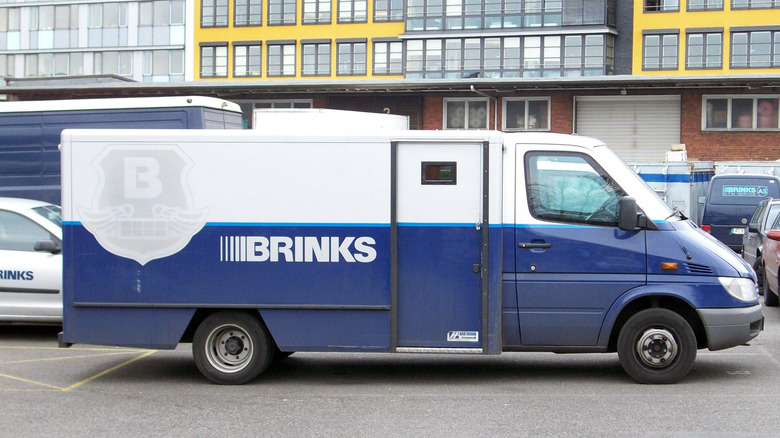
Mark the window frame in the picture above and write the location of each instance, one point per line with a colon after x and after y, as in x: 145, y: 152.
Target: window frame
x: 253, y: 19
x: 527, y: 114
x: 729, y: 116
x: 319, y: 68
x: 283, y: 17
x: 248, y: 65
x: 215, y: 58
x: 282, y: 67
x: 468, y: 102
x: 608, y: 181
x: 749, y: 51
x: 707, y: 5
x: 387, y: 57
x: 661, y: 46
x: 355, y: 68
x: 704, y: 33
x: 219, y: 13
x: 659, y: 6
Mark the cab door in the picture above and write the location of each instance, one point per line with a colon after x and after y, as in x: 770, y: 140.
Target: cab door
x: 571, y: 259
x: 439, y: 222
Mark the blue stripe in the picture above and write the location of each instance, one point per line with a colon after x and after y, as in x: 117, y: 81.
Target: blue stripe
x: 284, y: 224
x: 676, y: 177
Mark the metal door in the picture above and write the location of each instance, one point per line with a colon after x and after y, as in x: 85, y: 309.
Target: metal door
x: 439, y: 229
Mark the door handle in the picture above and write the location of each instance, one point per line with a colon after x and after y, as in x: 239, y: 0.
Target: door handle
x: 534, y: 245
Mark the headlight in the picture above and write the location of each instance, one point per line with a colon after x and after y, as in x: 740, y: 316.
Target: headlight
x: 742, y: 289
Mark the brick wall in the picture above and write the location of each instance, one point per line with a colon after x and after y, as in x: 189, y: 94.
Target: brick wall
x: 561, y: 113
x: 722, y: 146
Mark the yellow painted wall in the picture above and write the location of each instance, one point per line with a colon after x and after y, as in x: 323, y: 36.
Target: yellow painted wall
x: 296, y: 32
x: 698, y: 19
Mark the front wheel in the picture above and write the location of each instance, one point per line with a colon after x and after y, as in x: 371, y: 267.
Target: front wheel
x: 232, y: 348
x: 657, y: 346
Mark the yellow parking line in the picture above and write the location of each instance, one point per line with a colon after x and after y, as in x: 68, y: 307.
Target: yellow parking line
x: 31, y: 382
x: 48, y: 359
x: 103, y: 373
x: 77, y: 384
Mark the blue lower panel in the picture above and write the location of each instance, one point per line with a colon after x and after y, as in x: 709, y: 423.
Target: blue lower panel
x: 124, y: 327
x: 329, y: 330
x: 438, y: 290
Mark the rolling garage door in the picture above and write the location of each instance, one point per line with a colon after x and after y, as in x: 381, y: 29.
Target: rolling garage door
x: 638, y: 128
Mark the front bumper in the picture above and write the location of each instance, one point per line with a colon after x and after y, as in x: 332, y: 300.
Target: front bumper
x: 728, y: 328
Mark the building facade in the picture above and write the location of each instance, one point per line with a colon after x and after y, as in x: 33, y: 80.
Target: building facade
x: 642, y: 75
x: 139, y: 40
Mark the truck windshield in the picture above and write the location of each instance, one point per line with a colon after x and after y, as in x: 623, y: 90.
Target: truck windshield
x: 653, y: 206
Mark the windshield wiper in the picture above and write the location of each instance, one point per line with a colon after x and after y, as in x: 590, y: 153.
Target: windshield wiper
x: 678, y: 213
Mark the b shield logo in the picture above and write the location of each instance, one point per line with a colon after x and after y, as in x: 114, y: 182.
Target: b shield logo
x: 143, y: 209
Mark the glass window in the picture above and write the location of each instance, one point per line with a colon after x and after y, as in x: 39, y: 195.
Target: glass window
x: 247, y: 60
x: 755, y: 49
x: 741, y: 113
x: 532, y: 114
x: 316, y: 59
x: 660, y: 52
x: 17, y: 233
x: 662, y: 5
x: 316, y: 11
x: 351, y: 58
x: 705, y: 5
x: 388, y: 10
x: 281, y: 60
x: 754, y: 4
x: 465, y: 113
x: 214, y: 13
x: 178, y: 11
x: 95, y: 15
x: 388, y: 58
x: 705, y: 50
x: 281, y: 12
x: 570, y: 188
x: 213, y: 61
x: 248, y: 13
x: 146, y: 13
x: 162, y: 13
x: 353, y: 11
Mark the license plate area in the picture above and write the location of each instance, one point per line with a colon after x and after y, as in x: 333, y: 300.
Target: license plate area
x: 738, y: 230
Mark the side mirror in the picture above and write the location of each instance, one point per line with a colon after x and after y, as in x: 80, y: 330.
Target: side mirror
x: 773, y: 235
x: 753, y: 227
x: 627, y: 213
x: 48, y: 246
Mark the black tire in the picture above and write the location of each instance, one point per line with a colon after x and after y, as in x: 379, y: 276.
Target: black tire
x: 770, y: 296
x: 657, y: 346
x: 232, y: 348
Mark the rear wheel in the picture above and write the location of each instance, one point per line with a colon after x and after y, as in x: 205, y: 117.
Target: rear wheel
x: 770, y: 297
x: 657, y: 346
x: 232, y: 348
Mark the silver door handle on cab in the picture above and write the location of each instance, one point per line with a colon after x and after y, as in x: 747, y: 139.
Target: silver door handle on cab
x: 534, y: 245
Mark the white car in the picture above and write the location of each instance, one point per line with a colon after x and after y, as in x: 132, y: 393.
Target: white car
x: 30, y: 262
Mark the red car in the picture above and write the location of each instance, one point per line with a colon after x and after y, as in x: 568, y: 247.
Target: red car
x: 772, y: 264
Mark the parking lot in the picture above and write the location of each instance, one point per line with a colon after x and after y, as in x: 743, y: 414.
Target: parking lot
x: 101, y: 391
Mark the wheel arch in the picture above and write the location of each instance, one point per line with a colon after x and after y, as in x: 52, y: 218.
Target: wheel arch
x: 669, y: 302
x: 202, y: 313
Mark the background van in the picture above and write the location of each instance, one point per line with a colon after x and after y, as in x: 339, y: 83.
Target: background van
x: 731, y: 202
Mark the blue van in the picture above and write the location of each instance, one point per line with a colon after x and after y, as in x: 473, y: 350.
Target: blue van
x: 30, y: 132
x: 731, y: 202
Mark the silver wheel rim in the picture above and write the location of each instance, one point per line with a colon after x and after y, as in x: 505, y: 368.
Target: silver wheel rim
x: 657, y: 348
x: 229, y: 348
